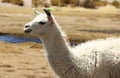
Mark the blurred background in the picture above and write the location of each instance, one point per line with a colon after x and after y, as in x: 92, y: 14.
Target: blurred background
x: 61, y: 3
x: 85, y: 19
x: 22, y: 57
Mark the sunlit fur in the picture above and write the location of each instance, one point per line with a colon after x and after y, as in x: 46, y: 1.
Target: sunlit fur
x: 92, y: 59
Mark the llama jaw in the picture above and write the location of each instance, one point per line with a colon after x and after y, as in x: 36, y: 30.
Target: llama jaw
x: 27, y: 31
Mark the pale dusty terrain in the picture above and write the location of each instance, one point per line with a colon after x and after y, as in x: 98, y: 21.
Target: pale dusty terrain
x: 23, y: 61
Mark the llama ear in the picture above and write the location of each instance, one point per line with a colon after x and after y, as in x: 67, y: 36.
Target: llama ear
x: 47, y: 12
x: 36, y: 11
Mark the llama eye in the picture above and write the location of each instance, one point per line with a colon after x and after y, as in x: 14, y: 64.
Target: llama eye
x: 42, y: 22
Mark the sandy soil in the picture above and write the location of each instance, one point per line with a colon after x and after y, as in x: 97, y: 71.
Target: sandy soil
x: 23, y: 61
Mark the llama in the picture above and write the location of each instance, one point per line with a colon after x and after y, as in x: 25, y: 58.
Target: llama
x: 92, y: 59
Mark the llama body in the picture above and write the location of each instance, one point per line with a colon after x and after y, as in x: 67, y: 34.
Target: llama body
x: 95, y: 59
x: 98, y: 59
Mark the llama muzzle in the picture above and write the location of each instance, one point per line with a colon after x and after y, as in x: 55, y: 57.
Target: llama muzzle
x: 27, y: 29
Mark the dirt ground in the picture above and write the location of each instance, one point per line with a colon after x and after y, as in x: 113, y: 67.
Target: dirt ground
x: 23, y: 61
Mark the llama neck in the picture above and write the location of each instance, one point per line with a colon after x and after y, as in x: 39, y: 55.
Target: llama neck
x: 55, y: 44
x: 58, y: 53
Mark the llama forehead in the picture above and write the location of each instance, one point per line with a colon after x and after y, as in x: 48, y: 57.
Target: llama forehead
x: 41, y: 17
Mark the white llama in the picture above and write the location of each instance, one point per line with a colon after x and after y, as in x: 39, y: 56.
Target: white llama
x: 94, y: 59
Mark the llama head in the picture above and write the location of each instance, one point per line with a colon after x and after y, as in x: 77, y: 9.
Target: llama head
x: 41, y: 24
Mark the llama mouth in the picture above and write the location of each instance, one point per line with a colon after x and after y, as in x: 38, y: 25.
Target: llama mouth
x: 27, y: 31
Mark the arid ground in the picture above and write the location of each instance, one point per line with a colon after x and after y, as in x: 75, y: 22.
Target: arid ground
x: 23, y: 61
x: 27, y: 60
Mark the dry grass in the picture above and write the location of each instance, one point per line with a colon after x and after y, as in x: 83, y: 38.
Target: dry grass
x: 16, y: 9
x: 86, y: 24
x: 77, y: 11
x: 80, y: 24
x: 23, y: 61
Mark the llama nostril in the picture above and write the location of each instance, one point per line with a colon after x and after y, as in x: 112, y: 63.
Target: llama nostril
x: 27, y: 26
